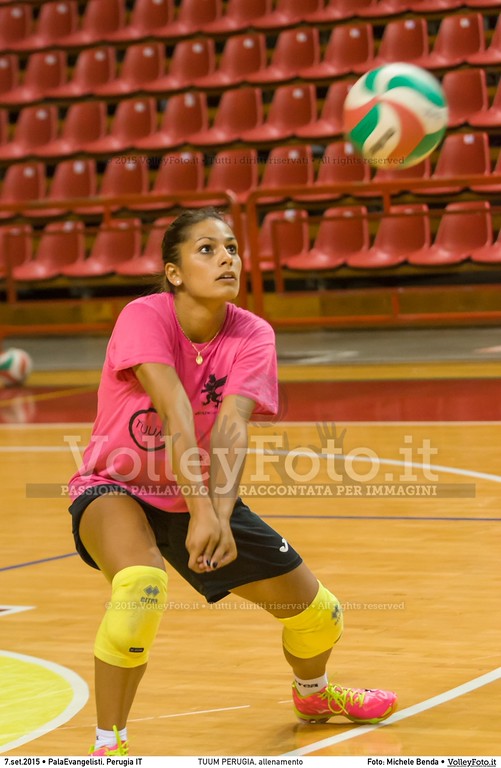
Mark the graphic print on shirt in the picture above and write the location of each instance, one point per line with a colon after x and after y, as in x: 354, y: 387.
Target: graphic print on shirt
x: 210, y: 389
x: 145, y: 428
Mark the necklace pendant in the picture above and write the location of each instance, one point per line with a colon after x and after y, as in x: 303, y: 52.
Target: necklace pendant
x: 199, y: 359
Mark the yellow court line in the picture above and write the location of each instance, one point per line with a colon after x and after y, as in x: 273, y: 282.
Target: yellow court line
x: 397, y: 371
x: 364, y: 372
x: 46, y: 395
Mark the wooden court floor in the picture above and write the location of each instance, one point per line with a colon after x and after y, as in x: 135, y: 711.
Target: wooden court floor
x: 405, y: 530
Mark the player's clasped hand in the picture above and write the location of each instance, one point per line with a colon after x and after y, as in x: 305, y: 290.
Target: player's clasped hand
x: 210, y: 543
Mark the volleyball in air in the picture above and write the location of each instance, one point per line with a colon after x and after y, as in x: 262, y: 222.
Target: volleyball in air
x: 395, y: 115
x: 15, y: 366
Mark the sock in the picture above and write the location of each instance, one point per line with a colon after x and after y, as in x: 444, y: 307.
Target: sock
x: 107, y: 738
x: 306, y: 687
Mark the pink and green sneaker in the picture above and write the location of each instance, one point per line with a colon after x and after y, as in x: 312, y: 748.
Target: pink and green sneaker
x: 116, y: 750
x: 360, y: 705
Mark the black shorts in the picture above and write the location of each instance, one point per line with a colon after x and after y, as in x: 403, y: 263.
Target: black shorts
x: 262, y: 552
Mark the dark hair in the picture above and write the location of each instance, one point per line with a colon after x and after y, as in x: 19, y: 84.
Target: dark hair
x: 177, y: 232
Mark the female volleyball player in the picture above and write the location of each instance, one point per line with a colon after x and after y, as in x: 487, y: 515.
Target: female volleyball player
x: 185, y: 370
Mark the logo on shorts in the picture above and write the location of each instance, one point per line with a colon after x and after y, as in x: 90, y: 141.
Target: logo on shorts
x: 284, y: 547
x: 145, y: 428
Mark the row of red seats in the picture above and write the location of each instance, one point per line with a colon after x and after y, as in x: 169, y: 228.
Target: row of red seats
x: 242, y: 172
x: 58, y: 22
x: 140, y: 125
x: 403, y: 236
x: 244, y: 59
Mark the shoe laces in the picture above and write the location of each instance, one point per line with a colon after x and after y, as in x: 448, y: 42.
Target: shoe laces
x: 338, y: 698
x: 121, y: 746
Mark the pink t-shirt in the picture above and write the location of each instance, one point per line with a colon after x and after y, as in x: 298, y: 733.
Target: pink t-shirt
x: 126, y: 446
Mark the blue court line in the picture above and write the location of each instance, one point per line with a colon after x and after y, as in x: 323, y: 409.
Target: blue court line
x: 301, y: 517
x: 37, y: 562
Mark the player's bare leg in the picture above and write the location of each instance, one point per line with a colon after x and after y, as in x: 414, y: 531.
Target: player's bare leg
x: 312, y: 620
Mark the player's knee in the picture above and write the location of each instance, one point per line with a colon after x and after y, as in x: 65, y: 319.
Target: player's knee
x: 316, y: 629
x: 129, y: 627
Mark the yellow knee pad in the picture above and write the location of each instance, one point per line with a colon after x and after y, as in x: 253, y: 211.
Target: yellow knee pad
x: 129, y: 627
x: 316, y: 629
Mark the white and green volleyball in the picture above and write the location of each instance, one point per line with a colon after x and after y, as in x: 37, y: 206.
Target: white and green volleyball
x: 395, y: 115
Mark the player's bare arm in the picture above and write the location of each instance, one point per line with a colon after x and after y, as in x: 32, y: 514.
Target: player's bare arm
x: 169, y: 398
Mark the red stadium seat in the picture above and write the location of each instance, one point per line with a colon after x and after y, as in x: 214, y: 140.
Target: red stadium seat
x: 330, y: 121
x: 178, y: 174
x: 191, y: 60
x: 466, y: 94
x: 350, y: 49
x: 124, y: 176
x: 336, y: 10
x: 191, y: 18
x: 116, y: 242
x: 15, y: 246
x: 461, y: 154
x: 56, y: 20
x: 238, y: 16
x: 340, y: 165
x: 73, y: 179
x: 23, y: 182
x: 287, y: 166
x: 292, y: 107
x: 184, y: 116
x: 239, y: 110
x: 295, y: 49
x: 417, y: 172
x: 242, y: 55
x: 143, y: 63
x: 287, y: 13
x: 463, y: 228
x: 236, y: 170
x: 4, y: 127
x: 282, y: 235
x: 458, y: 37
x: 62, y: 243
x: 44, y: 71
x: 490, y: 188
x: 134, y: 119
x: 381, y: 8
x: 149, y: 261
x: 491, y: 54
x: 85, y: 122
x: 402, y: 40
x: 100, y: 19
x: 343, y: 231
x: 35, y: 127
x: 16, y: 24
x: 489, y: 116
x: 482, y: 3
x: 94, y: 67
x: 434, y: 6
x: 405, y: 230
x: 9, y: 73
x: 147, y: 16
x: 490, y: 253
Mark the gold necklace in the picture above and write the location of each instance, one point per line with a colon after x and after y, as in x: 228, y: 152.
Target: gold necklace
x: 199, y: 359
